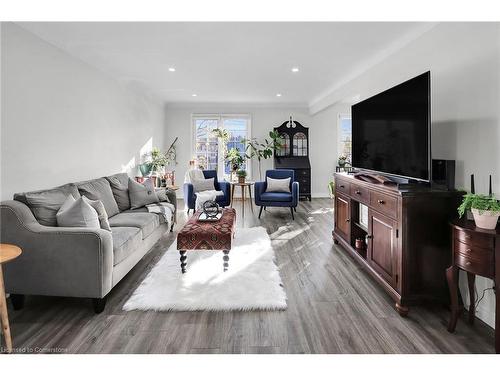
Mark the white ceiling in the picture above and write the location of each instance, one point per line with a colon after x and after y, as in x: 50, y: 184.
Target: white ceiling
x: 229, y: 62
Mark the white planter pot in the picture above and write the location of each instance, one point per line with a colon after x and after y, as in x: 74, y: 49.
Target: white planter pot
x: 485, y: 219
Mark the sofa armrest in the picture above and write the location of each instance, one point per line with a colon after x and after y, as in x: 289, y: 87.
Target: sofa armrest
x: 189, y: 196
x: 260, y: 188
x: 56, y: 261
x: 172, y: 197
x: 225, y: 187
x: 295, y: 193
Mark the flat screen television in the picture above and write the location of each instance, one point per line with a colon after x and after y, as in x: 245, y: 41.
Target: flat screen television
x: 391, y: 131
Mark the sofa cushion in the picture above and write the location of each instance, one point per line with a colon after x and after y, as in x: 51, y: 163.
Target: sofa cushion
x: 126, y: 240
x: 277, y: 185
x: 162, y: 195
x: 100, y: 190
x: 276, y: 197
x: 141, y: 194
x: 77, y: 213
x: 45, y: 203
x: 143, y: 220
x: 101, y: 213
x: 204, y: 185
x: 119, y: 186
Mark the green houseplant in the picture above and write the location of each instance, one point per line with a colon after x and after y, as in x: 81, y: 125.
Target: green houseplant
x: 234, y: 159
x: 242, y: 174
x: 485, y: 209
x: 342, y: 160
x: 263, y: 150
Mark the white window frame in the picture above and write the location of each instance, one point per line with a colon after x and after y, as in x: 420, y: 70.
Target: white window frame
x: 220, y: 124
x: 342, y: 116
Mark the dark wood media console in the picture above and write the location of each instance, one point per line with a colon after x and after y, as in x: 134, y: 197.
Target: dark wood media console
x: 407, y: 236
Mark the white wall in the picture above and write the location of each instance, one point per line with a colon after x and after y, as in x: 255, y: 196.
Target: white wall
x: 65, y: 121
x: 322, y: 136
x: 464, y: 60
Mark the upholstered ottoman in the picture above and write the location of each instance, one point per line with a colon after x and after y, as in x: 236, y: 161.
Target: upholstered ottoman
x: 207, y: 235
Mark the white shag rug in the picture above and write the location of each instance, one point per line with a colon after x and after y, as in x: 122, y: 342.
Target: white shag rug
x: 252, y: 281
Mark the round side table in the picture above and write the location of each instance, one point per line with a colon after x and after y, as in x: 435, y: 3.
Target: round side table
x: 7, y: 253
x: 242, y: 185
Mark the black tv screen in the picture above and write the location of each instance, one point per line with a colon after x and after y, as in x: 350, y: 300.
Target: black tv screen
x: 391, y: 130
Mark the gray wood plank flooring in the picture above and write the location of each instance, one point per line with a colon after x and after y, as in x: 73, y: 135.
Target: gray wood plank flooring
x: 333, y: 307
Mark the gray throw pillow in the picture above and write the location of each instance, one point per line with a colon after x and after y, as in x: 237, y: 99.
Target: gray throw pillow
x: 162, y: 195
x: 141, y: 194
x: 120, y: 192
x: 203, y: 185
x: 101, y: 213
x: 45, y: 204
x: 77, y: 213
x: 281, y: 185
x: 100, y: 190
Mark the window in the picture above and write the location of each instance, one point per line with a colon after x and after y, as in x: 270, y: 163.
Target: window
x: 285, y: 150
x: 345, y: 137
x: 206, y: 147
x: 207, y: 150
x: 299, y: 144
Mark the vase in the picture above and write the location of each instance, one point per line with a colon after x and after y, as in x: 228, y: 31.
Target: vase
x: 145, y: 169
x: 485, y: 219
x: 241, y: 180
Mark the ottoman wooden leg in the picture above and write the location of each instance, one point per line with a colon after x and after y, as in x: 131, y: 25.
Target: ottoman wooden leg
x: 183, y: 260
x: 226, y: 260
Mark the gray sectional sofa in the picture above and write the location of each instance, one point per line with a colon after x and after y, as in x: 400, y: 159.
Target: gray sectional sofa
x: 76, y: 262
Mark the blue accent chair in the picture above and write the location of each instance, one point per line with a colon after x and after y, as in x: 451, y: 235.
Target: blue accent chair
x: 272, y: 199
x: 223, y: 200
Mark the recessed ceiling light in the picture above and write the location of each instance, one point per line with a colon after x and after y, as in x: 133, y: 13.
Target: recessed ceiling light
x: 295, y: 69
x: 278, y: 94
x: 171, y: 69
x: 194, y: 95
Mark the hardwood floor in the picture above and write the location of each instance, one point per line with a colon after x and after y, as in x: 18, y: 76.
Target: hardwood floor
x: 333, y: 307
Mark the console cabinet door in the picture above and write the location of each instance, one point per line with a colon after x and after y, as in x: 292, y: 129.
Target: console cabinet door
x: 382, y: 246
x: 343, y: 216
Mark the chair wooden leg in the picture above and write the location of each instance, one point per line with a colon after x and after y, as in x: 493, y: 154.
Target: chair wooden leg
x: 291, y: 210
x: 4, y: 318
x: 260, y: 211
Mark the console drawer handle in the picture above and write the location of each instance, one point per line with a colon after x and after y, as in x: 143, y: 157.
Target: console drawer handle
x: 342, y: 186
x: 468, y: 263
x: 347, y: 220
x: 369, y: 236
x: 358, y: 192
x: 467, y: 237
x: 468, y: 250
x: 380, y: 201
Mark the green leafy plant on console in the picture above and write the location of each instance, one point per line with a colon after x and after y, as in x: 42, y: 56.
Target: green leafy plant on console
x: 485, y: 209
x: 479, y: 202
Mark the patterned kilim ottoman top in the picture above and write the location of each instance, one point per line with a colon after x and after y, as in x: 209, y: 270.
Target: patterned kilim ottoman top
x: 206, y: 235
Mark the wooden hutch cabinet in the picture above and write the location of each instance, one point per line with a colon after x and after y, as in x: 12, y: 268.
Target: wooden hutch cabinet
x: 404, y: 235
x: 295, y: 154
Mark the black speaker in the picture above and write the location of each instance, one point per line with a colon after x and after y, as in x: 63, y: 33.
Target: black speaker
x: 443, y: 174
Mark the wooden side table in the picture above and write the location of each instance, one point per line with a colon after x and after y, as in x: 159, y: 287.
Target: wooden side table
x: 477, y: 252
x: 7, y: 253
x: 242, y: 185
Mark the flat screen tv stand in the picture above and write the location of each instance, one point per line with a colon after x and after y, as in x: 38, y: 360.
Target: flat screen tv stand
x: 403, y: 236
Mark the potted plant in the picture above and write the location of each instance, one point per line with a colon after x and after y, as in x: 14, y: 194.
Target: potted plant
x: 342, y: 160
x: 242, y: 174
x: 234, y: 159
x: 485, y: 209
x: 263, y: 150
